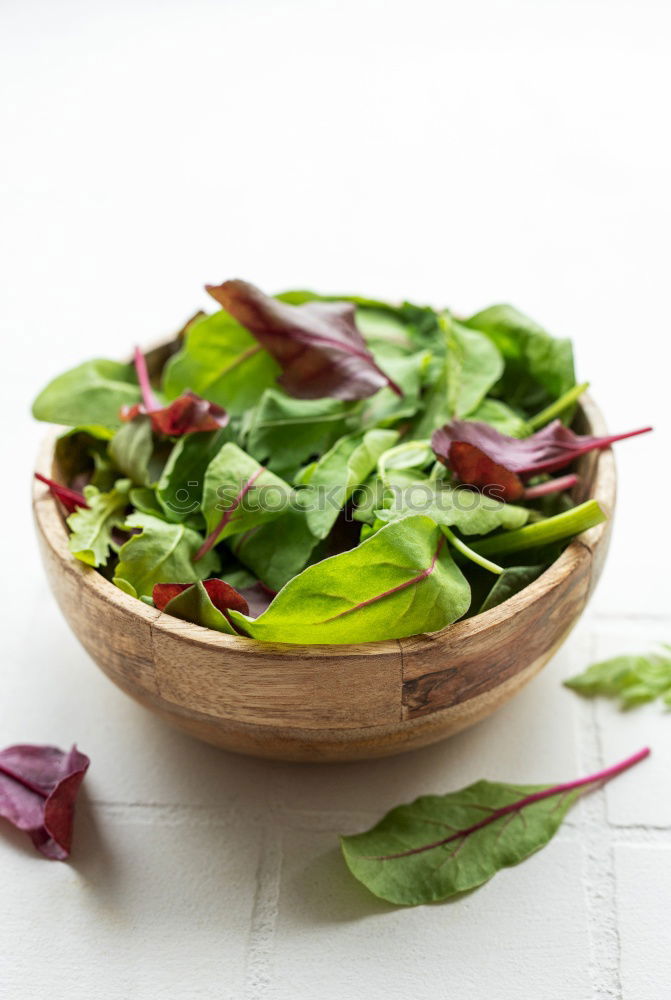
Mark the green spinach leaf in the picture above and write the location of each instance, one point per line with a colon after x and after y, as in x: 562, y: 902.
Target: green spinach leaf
x: 399, y: 582
x: 91, y: 393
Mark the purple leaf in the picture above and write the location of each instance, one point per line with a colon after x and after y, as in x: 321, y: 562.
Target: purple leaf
x: 222, y: 595
x: 317, y: 345
x: 38, y: 790
x: 188, y: 414
x: 495, y: 463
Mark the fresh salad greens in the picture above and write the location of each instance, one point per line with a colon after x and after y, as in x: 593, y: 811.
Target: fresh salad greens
x: 306, y: 468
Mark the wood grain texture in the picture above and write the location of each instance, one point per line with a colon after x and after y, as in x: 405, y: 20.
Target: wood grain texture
x: 324, y: 703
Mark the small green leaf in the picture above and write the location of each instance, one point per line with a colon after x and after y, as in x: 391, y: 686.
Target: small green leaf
x: 91, y: 393
x: 180, y: 487
x: 284, y: 432
x: 162, y: 553
x: 276, y: 551
x: 471, y: 512
x: 131, y: 450
x: 399, y: 582
x: 511, y: 582
x: 474, y: 365
x: 633, y: 679
x: 239, y: 494
x: 92, y: 526
x: 500, y: 416
x: 538, y: 367
x: 222, y: 362
x: 338, y: 473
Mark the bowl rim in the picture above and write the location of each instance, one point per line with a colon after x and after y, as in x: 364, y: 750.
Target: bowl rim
x: 50, y: 522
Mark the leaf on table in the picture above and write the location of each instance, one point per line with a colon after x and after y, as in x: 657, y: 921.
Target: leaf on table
x: 538, y: 367
x: 160, y: 553
x: 399, y: 582
x: 633, y: 679
x: 482, y: 457
x: 318, y: 346
x: 441, y: 845
x: 92, y: 393
x: 239, y: 494
x: 38, y: 791
x: 338, y: 473
x: 92, y: 528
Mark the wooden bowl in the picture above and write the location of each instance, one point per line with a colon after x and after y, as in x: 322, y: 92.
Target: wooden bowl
x: 327, y: 703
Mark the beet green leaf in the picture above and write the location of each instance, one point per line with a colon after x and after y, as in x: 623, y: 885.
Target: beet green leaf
x: 195, y: 605
x: 239, y: 494
x: 276, y: 551
x: 441, y: 845
x: 399, y: 582
x: 180, y: 487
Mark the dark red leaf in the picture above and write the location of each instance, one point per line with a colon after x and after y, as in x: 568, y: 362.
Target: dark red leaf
x: 70, y: 499
x: 222, y: 595
x: 188, y: 414
x: 482, y: 457
x: 317, y: 345
x: 38, y: 790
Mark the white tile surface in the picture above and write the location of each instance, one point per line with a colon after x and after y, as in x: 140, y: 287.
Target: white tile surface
x: 143, y: 910
x: 505, y: 934
x: 643, y: 898
x: 447, y: 152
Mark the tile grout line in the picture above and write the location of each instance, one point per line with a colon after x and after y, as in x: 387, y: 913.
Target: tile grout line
x: 261, y: 939
x: 598, y: 862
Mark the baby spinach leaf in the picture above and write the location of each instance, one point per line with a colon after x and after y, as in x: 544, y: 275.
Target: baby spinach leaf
x: 503, y: 418
x: 474, y: 365
x: 161, y: 553
x: 91, y: 393
x: 221, y: 361
x: 386, y: 408
x: 471, y: 512
x: 335, y: 477
x: 399, y: 582
x: 276, y: 551
x: 441, y: 845
x: 633, y: 679
x: 538, y: 367
x: 318, y: 346
x: 239, y: 494
x: 92, y: 527
x: 511, y: 582
x: 131, y: 450
x: 284, y: 432
x: 180, y: 487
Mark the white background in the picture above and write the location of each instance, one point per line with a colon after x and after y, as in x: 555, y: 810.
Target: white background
x: 459, y: 153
